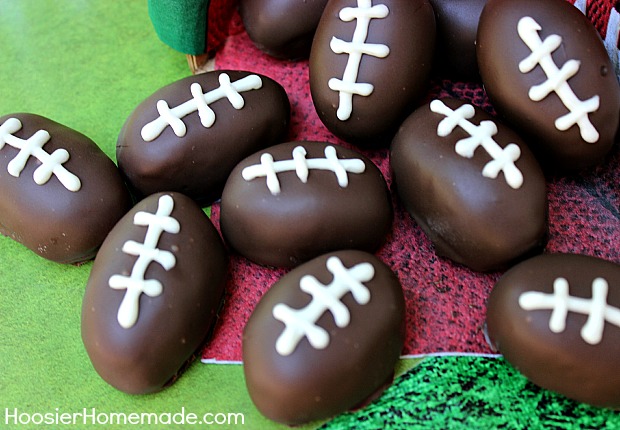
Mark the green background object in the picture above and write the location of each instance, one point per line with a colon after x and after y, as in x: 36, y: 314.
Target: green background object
x: 181, y: 24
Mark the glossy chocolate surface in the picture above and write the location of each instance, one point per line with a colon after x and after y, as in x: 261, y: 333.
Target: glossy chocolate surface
x: 570, y: 345
x: 141, y: 349
x: 407, y: 30
x: 282, y: 28
x: 502, y: 50
x: 198, y: 162
x: 297, y: 382
x: 480, y: 221
x: 66, y: 216
x: 457, y: 27
x: 305, y: 219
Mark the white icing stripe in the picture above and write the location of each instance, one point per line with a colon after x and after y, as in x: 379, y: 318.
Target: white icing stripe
x: 301, y: 165
x: 199, y: 102
x: 560, y: 303
x: 301, y: 323
x: 51, y: 164
x: 503, y: 159
x: 147, y: 253
x: 269, y: 168
x: 206, y: 114
x: 557, y: 79
x: 348, y: 85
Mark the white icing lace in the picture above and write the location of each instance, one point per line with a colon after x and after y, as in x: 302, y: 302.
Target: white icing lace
x: 503, y: 159
x: 560, y: 302
x: 51, y: 164
x: 557, y: 79
x: 348, y: 85
x: 301, y: 323
x: 200, y: 102
x: 147, y: 253
x: 301, y: 165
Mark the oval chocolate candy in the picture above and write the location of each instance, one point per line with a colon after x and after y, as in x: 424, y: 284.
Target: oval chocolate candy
x: 547, y: 72
x: 61, y: 194
x: 298, y: 200
x: 153, y: 293
x: 471, y: 184
x: 189, y: 135
x: 325, y: 338
x: 457, y: 28
x: 556, y: 318
x: 370, y: 61
x: 282, y: 28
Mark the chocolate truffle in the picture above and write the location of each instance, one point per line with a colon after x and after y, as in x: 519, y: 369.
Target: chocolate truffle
x: 556, y: 318
x: 188, y: 136
x: 282, y: 28
x: 547, y: 73
x: 325, y: 338
x: 298, y: 200
x: 471, y: 184
x: 370, y: 63
x: 153, y: 293
x: 61, y: 194
x: 457, y: 28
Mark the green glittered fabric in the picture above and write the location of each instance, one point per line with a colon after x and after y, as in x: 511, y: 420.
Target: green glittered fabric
x: 472, y: 393
x: 181, y: 24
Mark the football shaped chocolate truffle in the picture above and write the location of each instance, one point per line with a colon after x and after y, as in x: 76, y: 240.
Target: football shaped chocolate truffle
x: 547, y: 72
x: 471, y: 184
x: 556, y: 318
x: 370, y: 62
x: 61, y: 194
x: 298, y: 200
x: 282, y: 28
x: 153, y: 293
x: 189, y: 135
x: 325, y: 338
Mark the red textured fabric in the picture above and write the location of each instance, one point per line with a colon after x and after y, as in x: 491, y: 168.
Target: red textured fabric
x: 598, y: 12
x: 446, y: 302
x: 220, y: 14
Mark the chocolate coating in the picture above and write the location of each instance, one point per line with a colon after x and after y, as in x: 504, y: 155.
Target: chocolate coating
x: 561, y: 361
x: 145, y: 356
x: 198, y: 163
x: 316, y: 383
x: 305, y: 220
x: 457, y: 28
x: 282, y: 28
x: 482, y: 222
x: 399, y: 79
x: 65, y: 224
x: 501, y: 50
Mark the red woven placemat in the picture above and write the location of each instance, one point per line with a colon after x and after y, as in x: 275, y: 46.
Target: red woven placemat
x: 446, y: 302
